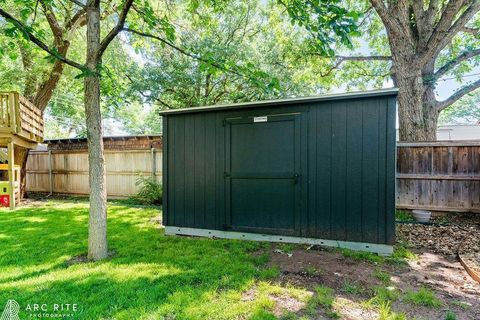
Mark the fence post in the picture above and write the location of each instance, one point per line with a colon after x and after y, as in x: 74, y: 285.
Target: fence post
x: 154, y: 163
x: 11, y: 173
x: 12, y: 112
x: 50, y: 180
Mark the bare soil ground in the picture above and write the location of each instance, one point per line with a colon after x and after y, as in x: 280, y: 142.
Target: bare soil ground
x: 356, y: 280
x: 442, y: 274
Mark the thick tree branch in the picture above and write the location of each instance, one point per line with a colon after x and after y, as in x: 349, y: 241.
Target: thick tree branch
x: 418, y: 11
x: 395, y: 18
x: 380, y: 7
x: 431, y: 13
x: 341, y: 59
x: 78, y: 3
x: 364, y: 58
x: 182, y: 51
x: 458, y: 95
x: 462, y: 21
x: 57, y: 30
x: 472, y: 31
x: 384, y: 14
x: 454, y: 62
x: 78, y: 19
x: 445, y: 30
x: 449, y: 13
x: 118, y: 27
x: 26, y: 31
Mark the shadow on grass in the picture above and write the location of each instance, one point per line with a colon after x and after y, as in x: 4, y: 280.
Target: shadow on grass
x: 150, y: 276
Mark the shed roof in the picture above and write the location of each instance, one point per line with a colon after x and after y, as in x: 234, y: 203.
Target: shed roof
x: 290, y: 101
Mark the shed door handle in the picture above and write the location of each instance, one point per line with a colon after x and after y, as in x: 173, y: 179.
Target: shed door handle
x: 296, y: 178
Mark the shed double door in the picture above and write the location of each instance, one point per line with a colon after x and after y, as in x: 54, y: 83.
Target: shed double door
x: 262, y: 177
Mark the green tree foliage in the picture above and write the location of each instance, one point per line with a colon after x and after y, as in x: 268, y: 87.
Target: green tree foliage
x: 180, y: 54
x: 465, y: 111
x: 248, y: 50
x: 327, y: 22
x: 432, y: 41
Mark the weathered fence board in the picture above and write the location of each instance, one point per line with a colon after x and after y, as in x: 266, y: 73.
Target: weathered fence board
x: 69, y: 171
x: 443, y: 176
x: 440, y: 176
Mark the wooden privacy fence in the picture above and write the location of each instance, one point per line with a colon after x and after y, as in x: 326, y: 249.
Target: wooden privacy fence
x: 66, y: 171
x: 439, y: 176
x: 443, y: 176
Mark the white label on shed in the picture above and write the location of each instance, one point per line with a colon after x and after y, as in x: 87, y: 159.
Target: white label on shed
x: 260, y: 119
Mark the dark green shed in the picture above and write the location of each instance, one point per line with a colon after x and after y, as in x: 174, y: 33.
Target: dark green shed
x: 318, y: 170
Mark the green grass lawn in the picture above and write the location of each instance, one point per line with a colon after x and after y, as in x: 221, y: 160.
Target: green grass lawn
x: 150, y: 276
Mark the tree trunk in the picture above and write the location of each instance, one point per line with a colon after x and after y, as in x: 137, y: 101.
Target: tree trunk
x: 417, y: 112
x: 417, y: 34
x: 30, y: 83
x: 21, y: 157
x: 97, y: 232
x: 45, y: 92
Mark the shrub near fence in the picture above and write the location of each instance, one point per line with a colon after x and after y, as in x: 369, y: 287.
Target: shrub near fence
x: 443, y: 176
x: 64, y: 168
x: 69, y: 174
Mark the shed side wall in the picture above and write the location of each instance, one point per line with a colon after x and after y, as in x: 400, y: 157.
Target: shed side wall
x: 191, y: 159
x: 349, y: 190
x: 351, y: 170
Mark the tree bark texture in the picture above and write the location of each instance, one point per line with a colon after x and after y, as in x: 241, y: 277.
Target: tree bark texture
x: 417, y: 33
x: 45, y: 91
x: 417, y: 111
x: 21, y: 157
x: 97, y: 232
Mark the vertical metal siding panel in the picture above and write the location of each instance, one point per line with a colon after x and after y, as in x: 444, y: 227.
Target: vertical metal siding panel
x: 370, y: 171
x: 339, y: 181
x: 354, y: 171
x: 190, y: 175
x: 382, y: 158
x: 178, y: 174
x: 200, y: 170
x: 165, y: 171
x: 171, y: 169
x: 323, y: 139
x: 312, y: 171
x: 219, y: 170
x: 304, y: 173
x: 390, y: 172
x: 210, y: 169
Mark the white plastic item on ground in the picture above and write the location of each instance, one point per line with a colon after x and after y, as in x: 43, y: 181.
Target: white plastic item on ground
x: 422, y: 215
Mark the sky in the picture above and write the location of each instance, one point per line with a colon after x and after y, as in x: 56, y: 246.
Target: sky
x: 446, y: 86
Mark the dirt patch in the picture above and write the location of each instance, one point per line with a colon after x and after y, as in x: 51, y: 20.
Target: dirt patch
x: 157, y: 219
x: 83, y: 258
x: 441, y: 274
x: 309, y: 268
x: 31, y: 203
x: 249, y: 295
x: 353, y: 310
x: 77, y: 260
x: 286, y: 303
